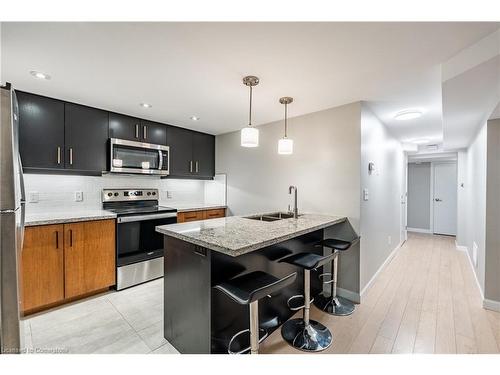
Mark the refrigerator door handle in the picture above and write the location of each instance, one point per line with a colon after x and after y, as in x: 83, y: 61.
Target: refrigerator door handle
x: 21, y: 180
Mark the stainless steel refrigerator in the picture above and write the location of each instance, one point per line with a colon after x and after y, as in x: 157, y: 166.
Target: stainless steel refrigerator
x: 11, y: 223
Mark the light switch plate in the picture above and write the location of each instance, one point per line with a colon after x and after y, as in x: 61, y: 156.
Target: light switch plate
x: 365, y: 194
x: 78, y: 196
x: 33, y: 197
x: 169, y: 194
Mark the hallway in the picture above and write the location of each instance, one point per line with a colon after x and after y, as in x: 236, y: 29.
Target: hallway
x: 426, y: 300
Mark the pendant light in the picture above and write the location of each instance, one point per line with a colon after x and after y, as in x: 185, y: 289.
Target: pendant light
x: 285, y: 145
x: 249, y: 134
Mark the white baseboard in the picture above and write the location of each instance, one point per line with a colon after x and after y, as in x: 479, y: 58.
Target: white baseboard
x: 491, y: 305
x: 350, y: 295
x: 419, y: 230
x: 475, y: 276
x: 388, y: 259
x: 460, y: 248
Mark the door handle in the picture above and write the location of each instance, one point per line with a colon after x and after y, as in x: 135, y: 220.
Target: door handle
x: 196, y: 166
x: 137, y: 130
x: 191, y: 166
x: 58, y: 155
x: 71, y: 238
x: 57, y: 239
x: 144, y: 131
x: 70, y: 156
x: 438, y: 200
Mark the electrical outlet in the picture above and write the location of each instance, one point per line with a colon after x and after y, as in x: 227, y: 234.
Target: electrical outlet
x: 169, y: 194
x: 389, y: 240
x: 33, y: 197
x: 474, y: 254
x: 78, y: 196
x: 365, y: 194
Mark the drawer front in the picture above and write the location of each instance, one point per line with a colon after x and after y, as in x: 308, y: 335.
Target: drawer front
x: 183, y: 217
x: 213, y: 214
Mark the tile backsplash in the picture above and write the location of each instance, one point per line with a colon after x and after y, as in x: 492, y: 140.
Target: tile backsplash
x: 58, y: 191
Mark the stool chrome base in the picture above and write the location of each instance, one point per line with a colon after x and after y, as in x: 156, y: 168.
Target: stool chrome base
x: 314, y: 337
x: 334, y: 305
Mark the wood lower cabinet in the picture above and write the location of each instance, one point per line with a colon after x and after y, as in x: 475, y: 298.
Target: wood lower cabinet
x: 42, y: 266
x: 183, y: 217
x: 89, y: 257
x: 62, y: 262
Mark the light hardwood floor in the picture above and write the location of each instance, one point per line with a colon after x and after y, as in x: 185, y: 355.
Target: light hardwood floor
x: 425, y: 300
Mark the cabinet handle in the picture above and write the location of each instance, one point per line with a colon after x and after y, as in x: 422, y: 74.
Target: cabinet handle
x: 58, y: 155
x: 191, y: 166
x: 137, y: 130
x: 71, y: 238
x: 144, y: 131
x: 71, y: 156
x: 196, y: 166
x: 57, y: 239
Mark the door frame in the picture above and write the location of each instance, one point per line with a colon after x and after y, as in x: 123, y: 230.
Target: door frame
x: 433, y: 165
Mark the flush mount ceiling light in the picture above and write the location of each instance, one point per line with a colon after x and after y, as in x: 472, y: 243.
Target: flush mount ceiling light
x: 421, y: 141
x: 145, y: 105
x: 194, y: 118
x: 408, y: 114
x: 249, y: 134
x: 285, y: 145
x: 39, y: 75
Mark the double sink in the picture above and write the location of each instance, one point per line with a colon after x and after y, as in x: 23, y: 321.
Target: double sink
x: 271, y: 217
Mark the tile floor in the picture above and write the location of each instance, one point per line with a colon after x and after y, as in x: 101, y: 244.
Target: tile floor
x: 129, y: 321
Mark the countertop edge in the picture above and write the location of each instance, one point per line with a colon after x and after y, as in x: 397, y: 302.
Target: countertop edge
x: 201, y: 208
x: 247, y: 249
x: 34, y: 223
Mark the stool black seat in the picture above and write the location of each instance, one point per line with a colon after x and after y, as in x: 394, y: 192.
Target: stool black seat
x: 330, y: 302
x: 306, y: 334
x: 248, y: 289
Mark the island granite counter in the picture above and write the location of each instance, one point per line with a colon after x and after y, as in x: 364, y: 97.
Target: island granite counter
x: 200, y: 254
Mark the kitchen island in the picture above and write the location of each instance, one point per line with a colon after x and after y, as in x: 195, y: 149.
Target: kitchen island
x: 200, y: 254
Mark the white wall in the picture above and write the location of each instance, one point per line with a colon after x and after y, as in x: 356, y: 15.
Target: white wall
x: 476, y: 201
x: 419, y: 196
x: 462, y: 196
x: 381, y: 213
x: 324, y: 165
x: 57, y: 192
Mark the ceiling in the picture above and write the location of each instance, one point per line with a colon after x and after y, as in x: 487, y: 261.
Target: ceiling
x: 185, y: 69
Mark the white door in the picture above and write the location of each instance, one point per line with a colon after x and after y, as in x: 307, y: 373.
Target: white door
x: 404, y: 198
x: 445, y: 198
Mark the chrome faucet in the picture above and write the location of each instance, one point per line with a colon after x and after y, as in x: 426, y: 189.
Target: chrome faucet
x: 295, y: 210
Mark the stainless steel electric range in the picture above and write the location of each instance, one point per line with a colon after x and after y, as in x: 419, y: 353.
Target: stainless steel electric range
x: 139, y: 248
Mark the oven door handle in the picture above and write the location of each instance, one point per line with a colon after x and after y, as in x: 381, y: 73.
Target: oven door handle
x: 130, y: 219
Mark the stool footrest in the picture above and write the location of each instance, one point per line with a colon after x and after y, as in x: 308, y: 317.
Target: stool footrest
x: 326, y: 274
x: 247, y: 348
x: 296, y: 308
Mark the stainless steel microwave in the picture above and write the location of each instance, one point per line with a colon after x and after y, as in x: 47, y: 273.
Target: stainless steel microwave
x: 138, y: 157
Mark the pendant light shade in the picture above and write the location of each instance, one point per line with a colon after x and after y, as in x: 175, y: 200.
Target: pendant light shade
x: 285, y: 144
x: 249, y: 134
x: 250, y: 137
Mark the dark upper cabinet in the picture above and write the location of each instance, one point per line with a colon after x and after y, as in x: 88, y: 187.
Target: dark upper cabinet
x: 41, y: 131
x: 192, y: 154
x: 125, y: 127
x: 86, y: 138
x: 153, y: 132
x: 180, y: 142
x: 204, y: 154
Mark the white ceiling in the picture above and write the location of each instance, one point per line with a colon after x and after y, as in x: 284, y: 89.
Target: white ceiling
x: 186, y: 69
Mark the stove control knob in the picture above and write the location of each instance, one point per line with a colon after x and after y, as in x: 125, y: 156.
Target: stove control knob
x: 154, y: 193
x: 116, y: 194
x: 149, y: 193
x: 110, y: 194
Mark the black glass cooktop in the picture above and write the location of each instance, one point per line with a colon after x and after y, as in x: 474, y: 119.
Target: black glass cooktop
x: 136, y: 208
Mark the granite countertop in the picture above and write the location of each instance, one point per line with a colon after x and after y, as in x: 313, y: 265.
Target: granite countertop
x: 66, y: 216
x: 186, y: 207
x: 236, y: 235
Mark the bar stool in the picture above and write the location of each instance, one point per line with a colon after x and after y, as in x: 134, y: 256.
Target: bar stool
x: 248, y: 289
x: 306, y: 334
x: 333, y: 304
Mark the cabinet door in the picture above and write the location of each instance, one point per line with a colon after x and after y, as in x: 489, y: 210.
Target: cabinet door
x: 86, y: 138
x: 181, y: 151
x: 41, y: 131
x: 153, y: 132
x: 42, y: 266
x: 183, y: 217
x: 124, y: 127
x: 204, y: 154
x: 215, y: 213
x: 89, y: 256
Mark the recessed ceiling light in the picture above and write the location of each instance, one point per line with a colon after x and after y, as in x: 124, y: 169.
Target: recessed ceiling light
x: 194, y: 118
x: 421, y: 141
x: 39, y: 75
x: 408, y: 114
x: 146, y: 105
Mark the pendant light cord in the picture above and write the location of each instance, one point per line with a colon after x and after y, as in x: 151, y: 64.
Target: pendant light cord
x: 286, y: 115
x: 250, y: 112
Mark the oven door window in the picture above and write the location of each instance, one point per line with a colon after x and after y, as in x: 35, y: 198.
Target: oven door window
x: 138, y: 240
x: 134, y: 157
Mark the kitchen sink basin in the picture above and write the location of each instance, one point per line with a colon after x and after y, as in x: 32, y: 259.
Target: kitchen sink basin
x: 271, y: 217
